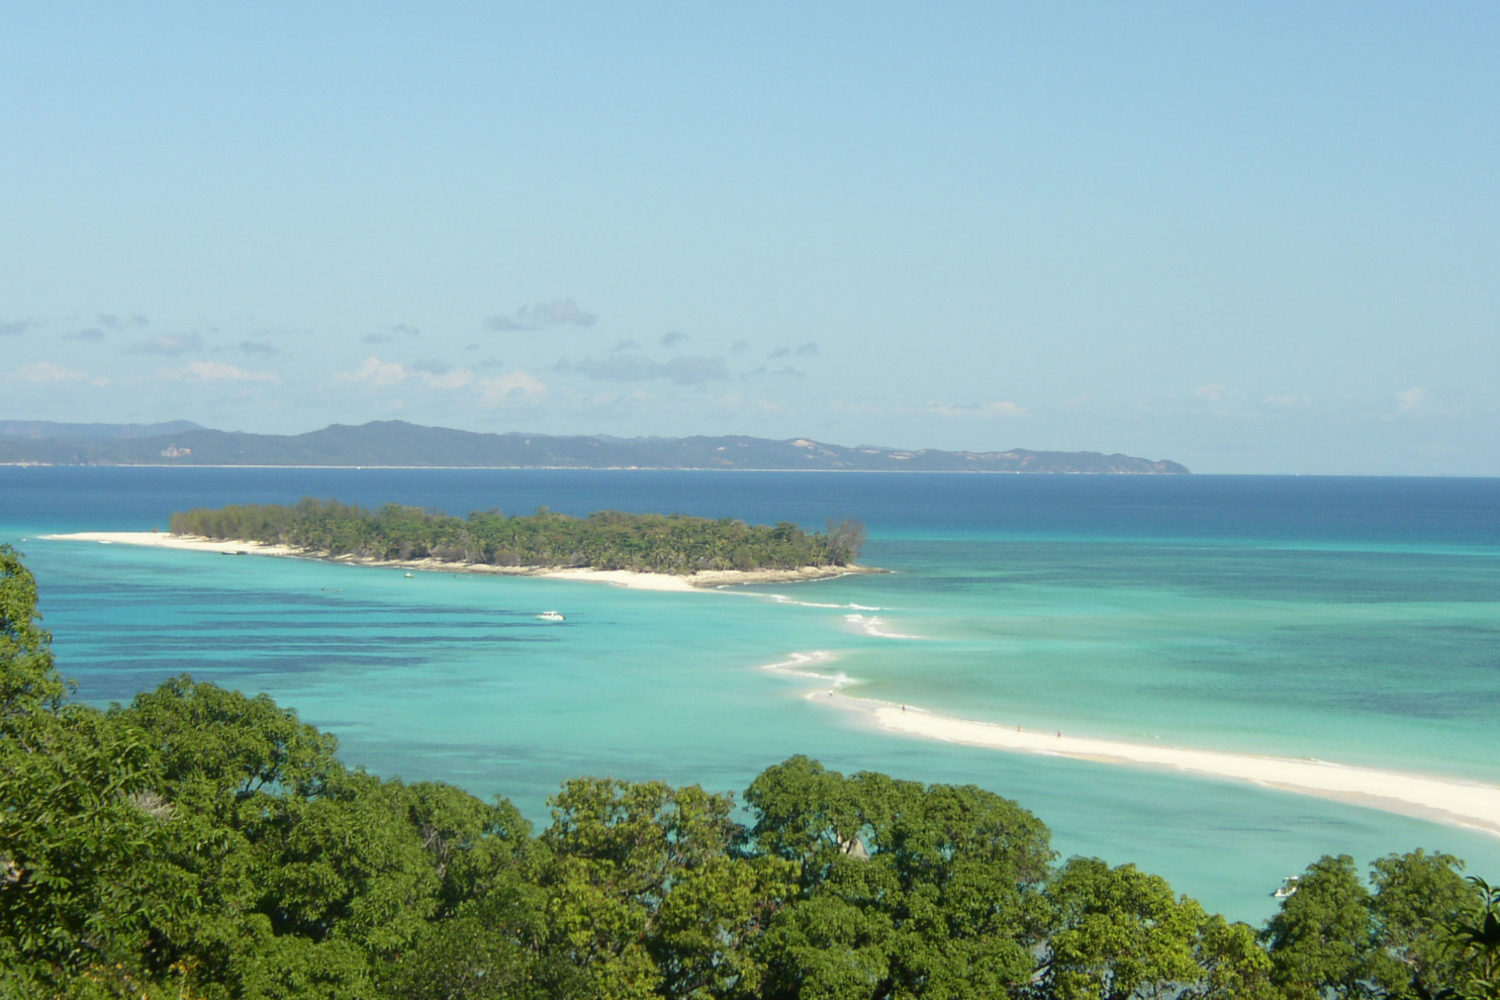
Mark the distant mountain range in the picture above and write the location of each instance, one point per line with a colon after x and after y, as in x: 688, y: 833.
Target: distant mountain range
x: 396, y: 443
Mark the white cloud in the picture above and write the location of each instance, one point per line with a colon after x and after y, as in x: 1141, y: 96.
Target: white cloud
x: 995, y: 408
x: 46, y: 371
x: 453, y: 378
x: 173, y: 344
x: 1290, y: 401
x: 1212, y: 392
x: 684, y: 370
x: 114, y: 322
x: 214, y: 371
x: 374, y: 372
x: 382, y: 374
x: 1411, y: 400
x: 516, y: 386
x: 542, y: 316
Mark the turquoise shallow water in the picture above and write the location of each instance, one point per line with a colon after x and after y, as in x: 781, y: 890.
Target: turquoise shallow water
x: 1349, y: 620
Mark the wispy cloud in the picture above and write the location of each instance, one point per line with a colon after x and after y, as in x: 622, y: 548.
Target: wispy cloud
x: 1212, y: 392
x: 807, y: 350
x: 43, y: 372
x: 1412, y: 400
x: 93, y: 333
x: 168, y: 344
x: 434, y: 374
x: 111, y: 321
x: 15, y: 327
x: 689, y: 370
x: 512, y: 387
x: 440, y: 374
x: 373, y: 371
x: 672, y: 339
x: 542, y: 316
x: 391, y: 333
x: 1288, y: 401
x: 993, y: 409
x: 214, y: 371
x: 259, y: 348
x: 996, y: 409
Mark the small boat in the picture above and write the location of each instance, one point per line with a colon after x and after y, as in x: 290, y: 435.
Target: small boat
x: 551, y: 616
x: 1288, y: 886
x: 410, y: 575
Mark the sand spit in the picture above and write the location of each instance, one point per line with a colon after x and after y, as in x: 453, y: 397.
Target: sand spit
x: 617, y: 577
x: 1453, y: 801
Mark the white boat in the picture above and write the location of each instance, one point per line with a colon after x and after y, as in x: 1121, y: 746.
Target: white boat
x: 1288, y: 886
x: 551, y: 616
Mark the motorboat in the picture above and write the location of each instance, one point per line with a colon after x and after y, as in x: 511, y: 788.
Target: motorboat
x: 551, y: 616
x: 1288, y: 886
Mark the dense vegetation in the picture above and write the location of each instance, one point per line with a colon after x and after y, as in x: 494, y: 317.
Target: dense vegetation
x: 648, y: 543
x: 199, y: 843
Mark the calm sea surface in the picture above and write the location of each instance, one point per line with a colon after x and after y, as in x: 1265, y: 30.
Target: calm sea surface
x: 1351, y: 620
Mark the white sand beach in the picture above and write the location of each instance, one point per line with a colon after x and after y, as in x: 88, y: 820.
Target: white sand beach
x: 163, y: 540
x: 616, y: 577
x: 1446, y: 800
x: 1453, y: 801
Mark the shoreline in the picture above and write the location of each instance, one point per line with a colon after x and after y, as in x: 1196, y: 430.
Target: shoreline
x: 1459, y: 802
x: 628, y: 579
x: 1452, y: 801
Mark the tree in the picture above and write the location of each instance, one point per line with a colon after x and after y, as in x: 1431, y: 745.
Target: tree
x: 1476, y: 941
x: 1322, y: 938
x: 28, y: 680
x: 905, y: 890
x: 1418, y: 898
x: 1117, y: 933
x: 1234, y: 967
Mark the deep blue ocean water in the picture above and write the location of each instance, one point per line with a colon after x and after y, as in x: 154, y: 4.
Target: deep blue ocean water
x: 1352, y: 620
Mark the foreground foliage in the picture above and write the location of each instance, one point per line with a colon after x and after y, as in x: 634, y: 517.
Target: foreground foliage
x: 201, y: 843
x: 609, y: 540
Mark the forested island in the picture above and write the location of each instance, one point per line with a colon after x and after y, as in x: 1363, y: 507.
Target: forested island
x: 607, y: 540
x: 199, y: 843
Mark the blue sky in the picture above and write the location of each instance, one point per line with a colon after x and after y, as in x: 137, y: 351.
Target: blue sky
x: 1254, y: 238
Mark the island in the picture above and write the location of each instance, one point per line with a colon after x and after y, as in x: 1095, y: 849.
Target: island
x: 654, y: 550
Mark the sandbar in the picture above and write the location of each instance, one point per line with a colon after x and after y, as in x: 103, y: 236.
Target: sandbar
x: 1453, y: 801
x: 706, y: 580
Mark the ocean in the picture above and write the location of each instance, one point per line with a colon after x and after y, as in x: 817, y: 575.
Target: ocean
x: 1350, y: 620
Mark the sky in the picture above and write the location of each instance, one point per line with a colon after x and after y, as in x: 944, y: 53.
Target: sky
x: 1249, y: 237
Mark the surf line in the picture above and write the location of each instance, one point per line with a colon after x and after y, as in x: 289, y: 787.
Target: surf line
x: 1458, y: 802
